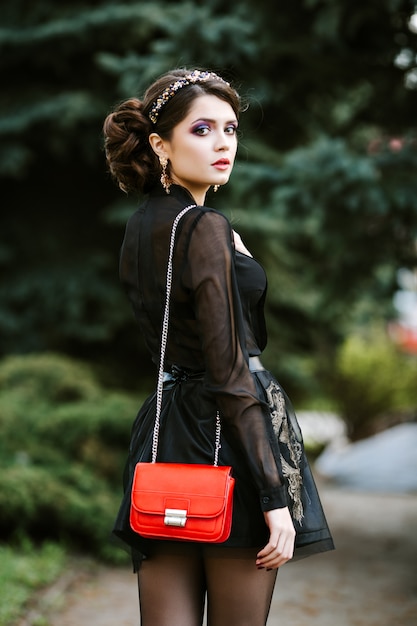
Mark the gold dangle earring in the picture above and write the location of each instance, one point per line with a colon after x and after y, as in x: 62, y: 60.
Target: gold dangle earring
x: 216, y: 188
x: 165, y: 179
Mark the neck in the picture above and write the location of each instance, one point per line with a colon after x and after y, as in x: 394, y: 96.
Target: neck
x: 198, y: 195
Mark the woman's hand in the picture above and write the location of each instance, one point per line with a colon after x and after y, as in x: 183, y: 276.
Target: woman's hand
x: 280, y: 547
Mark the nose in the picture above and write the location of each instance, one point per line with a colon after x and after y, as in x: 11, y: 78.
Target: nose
x: 223, y: 142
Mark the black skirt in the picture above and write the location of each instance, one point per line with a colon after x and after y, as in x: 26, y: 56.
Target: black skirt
x: 187, y: 435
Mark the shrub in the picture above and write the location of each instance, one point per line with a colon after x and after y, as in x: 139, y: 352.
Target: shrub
x: 63, y: 445
x: 50, y: 377
x: 24, y: 570
x: 372, y: 381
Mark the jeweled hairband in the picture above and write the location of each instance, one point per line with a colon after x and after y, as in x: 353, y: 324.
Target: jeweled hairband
x: 195, y: 77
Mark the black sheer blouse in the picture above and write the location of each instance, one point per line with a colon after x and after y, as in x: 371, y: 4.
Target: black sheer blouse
x: 216, y: 318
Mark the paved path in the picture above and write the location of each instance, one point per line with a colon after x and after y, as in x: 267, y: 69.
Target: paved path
x: 371, y: 579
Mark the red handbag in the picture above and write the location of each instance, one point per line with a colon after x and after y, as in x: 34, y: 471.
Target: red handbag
x: 180, y: 501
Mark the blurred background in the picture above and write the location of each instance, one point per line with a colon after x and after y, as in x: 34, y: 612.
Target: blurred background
x: 324, y: 193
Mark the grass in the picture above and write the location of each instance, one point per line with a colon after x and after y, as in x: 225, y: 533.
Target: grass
x: 23, y: 571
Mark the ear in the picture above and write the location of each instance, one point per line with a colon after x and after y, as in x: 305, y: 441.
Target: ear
x: 158, y: 145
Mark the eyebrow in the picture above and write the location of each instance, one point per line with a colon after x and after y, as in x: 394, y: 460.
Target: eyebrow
x: 211, y: 121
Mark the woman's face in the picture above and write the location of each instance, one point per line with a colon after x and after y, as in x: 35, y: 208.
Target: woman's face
x: 203, y: 146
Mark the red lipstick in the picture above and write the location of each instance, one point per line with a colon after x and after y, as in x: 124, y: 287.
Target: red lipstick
x: 221, y: 164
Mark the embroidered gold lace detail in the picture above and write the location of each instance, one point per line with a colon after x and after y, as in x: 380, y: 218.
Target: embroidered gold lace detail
x: 286, y: 437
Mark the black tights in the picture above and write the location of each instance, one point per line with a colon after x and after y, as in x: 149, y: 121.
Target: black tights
x: 174, y: 581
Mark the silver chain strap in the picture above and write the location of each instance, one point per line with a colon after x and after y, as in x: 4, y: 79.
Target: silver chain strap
x: 164, y: 339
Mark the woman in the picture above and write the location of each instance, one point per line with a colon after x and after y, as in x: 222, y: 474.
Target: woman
x: 175, y: 144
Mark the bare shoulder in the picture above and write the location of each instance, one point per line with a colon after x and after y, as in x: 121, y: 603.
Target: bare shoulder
x: 239, y: 245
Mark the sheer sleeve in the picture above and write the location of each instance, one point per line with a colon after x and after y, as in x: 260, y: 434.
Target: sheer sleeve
x: 211, y: 278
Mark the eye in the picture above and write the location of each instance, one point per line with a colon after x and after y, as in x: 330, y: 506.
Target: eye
x: 231, y: 129
x: 201, y: 130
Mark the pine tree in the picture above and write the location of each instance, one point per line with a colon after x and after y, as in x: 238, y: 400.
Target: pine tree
x: 321, y: 192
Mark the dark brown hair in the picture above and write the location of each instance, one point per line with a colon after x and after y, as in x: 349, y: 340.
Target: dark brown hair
x: 130, y: 158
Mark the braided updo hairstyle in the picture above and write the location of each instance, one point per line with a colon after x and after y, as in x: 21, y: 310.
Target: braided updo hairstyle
x: 130, y: 158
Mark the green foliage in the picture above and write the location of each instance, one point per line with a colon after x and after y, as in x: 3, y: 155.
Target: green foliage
x: 63, y: 444
x: 23, y: 570
x: 48, y: 377
x: 372, y: 381
x: 88, y: 304
x: 326, y: 220
x: 330, y: 215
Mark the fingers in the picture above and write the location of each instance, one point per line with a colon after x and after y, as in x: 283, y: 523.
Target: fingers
x: 276, y: 555
x: 280, y: 547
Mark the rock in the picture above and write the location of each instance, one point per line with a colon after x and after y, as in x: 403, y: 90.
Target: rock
x: 386, y: 462
x: 320, y: 427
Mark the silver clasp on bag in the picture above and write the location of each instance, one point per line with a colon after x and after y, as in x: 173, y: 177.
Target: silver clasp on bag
x: 175, y: 517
